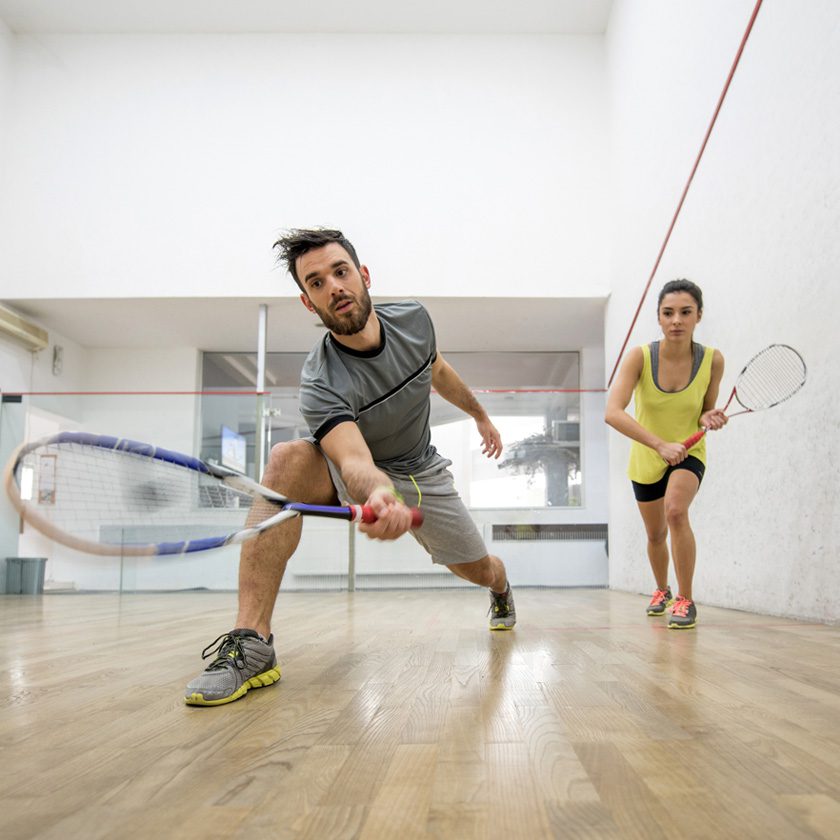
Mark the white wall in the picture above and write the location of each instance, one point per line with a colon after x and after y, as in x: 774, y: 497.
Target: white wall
x: 167, y: 165
x: 759, y: 234
x: 22, y: 370
x: 6, y: 47
x: 168, y: 419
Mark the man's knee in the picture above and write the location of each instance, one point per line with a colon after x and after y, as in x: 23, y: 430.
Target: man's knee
x: 291, y: 455
x: 297, y: 469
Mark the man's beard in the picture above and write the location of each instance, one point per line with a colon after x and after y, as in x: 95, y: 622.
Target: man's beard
x: 347, y: 324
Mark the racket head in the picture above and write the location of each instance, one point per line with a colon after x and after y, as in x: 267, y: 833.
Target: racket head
x: 772, y: 376
x: 113, y: 497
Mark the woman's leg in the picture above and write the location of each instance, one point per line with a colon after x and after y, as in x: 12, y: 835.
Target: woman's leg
x: 682, y: 488
x: 656, y: 527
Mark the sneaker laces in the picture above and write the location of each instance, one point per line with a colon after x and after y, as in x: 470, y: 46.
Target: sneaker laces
x: 659, y: 595
x: 229, y: 647
x: 499, y: 606
x: 681, y: 607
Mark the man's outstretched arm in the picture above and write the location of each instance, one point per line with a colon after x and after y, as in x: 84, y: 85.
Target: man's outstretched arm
x: 454, y: 390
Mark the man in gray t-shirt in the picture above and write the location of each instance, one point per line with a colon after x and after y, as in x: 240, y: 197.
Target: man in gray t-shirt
x: 384, y: 390
x: 365, y: 395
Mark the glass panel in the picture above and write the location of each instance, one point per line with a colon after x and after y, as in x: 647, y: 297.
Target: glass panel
x: 531, y: 397
x: 538, y: 474
x: 164, y: 419
x: 533, y: 400
x: 540, y: 466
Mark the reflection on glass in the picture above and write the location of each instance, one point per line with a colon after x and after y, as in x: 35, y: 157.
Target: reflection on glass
x: 27, y: 482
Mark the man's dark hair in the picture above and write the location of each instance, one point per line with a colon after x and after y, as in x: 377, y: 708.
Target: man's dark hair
x: 296, y: 243
x: 681, y: 285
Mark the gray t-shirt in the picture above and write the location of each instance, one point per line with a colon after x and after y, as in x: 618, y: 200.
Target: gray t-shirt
x: 385, y: 391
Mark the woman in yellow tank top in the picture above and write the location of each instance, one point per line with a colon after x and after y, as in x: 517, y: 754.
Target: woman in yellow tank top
x: 674, y: 383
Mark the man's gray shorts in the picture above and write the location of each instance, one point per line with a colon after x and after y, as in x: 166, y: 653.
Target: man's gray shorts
x: 448, y: 532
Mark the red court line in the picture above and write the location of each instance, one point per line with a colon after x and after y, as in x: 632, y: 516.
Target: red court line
x: 539, y: 390
x: 135, y: 393
x: 687, y: 185
x: 222, y: 393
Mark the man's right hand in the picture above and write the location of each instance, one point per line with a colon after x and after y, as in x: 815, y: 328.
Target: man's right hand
x: 393, y: 517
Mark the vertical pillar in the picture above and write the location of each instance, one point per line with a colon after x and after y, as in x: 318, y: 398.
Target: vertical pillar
x: 12, y: 422
x: 261, y: 435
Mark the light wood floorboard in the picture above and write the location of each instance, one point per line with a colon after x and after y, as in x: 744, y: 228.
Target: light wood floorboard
x: 400, y: 716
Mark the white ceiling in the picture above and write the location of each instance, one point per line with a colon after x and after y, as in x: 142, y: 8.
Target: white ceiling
x: 230, y: 324
x: 349, y: 16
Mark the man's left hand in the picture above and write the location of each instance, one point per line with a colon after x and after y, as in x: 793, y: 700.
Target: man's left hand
x: 491, y: 440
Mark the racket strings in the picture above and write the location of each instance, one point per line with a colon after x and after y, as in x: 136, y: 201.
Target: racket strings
x: 774, y: 375
x: 119, y: 497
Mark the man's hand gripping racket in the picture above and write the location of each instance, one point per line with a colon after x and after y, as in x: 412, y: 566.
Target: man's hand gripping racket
x: 770, y: 377
x: 114, y: 497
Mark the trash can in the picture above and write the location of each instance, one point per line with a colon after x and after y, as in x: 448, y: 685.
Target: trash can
x: 25, y: 575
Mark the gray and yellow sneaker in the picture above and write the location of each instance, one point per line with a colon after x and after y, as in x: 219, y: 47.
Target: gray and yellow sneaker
x: 502, y: 612
x: 244, y: 660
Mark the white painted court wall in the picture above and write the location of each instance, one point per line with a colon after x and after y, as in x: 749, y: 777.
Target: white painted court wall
x: 167, y: 165
x: 6, y: 47
x: 759, y: 233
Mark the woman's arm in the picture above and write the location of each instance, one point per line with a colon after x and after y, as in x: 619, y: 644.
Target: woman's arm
x: 617, y: 417
x: 713, y: 418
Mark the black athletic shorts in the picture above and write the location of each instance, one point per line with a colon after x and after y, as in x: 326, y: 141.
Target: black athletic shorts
x: 652, y: 492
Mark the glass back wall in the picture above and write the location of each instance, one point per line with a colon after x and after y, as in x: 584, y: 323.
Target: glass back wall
x: 532, y: 398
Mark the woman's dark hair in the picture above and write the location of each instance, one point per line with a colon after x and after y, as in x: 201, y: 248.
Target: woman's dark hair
x: 296, y: 243
x: 681, y: 286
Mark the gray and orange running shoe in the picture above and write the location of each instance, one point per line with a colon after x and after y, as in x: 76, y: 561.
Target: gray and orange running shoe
x: 683, y: 615
x: 244, y: 661
x: 662, y: 599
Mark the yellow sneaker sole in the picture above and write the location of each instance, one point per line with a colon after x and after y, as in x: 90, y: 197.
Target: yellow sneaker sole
x: 259, y: 681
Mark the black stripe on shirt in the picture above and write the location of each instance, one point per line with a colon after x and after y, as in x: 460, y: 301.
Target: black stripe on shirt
x: 399, y: 387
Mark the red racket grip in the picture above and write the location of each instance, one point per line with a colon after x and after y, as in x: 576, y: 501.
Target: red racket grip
x: 368, y: 516
x: 689, y: 442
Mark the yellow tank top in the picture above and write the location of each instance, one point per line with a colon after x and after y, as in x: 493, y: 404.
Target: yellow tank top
x: 672, y: 416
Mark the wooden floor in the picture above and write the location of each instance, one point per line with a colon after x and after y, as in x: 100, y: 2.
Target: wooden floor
x: 400, y: 716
